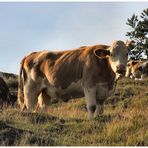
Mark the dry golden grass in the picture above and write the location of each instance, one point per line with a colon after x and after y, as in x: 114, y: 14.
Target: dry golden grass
x: 124, y: 122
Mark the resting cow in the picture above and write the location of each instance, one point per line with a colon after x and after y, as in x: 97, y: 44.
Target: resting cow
x: 88, y: 71
x: 137, y: 69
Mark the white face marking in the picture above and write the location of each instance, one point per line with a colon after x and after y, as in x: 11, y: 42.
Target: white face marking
x: 118, y: 55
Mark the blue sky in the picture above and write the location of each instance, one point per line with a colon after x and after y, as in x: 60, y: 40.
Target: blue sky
x: 34, y: 26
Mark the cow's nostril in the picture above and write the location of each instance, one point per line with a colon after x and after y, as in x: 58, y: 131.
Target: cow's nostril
x: 121, y: 69
x: 120, y: 66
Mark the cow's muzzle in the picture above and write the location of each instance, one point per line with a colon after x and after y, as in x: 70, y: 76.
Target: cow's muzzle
x: 121, y: 69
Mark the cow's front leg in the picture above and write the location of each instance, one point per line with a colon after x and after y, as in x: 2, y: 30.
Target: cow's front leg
x: 90, y: 96
x: 99, y: 106
x: 101, y: 95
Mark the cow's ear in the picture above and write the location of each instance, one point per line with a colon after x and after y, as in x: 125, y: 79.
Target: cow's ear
x: 101, y: 53
x: 134, y: 62
x: 130, y: 44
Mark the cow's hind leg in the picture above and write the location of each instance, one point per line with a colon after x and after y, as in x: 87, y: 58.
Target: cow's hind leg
x: 43, y: 101
x: 31, y: 92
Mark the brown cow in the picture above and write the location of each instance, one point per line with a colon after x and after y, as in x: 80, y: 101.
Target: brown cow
x: 89, y: 71
x: 137, y: 69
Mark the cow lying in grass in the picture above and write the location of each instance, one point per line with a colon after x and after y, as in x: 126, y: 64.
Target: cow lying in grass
x: 88, y: 71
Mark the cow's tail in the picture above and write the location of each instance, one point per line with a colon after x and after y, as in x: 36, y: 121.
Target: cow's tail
x: 20, y: 86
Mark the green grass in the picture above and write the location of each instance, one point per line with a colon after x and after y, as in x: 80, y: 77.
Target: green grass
x: 124, y: 122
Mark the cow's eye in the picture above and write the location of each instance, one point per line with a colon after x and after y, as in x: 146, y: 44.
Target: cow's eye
x: 111, y: 54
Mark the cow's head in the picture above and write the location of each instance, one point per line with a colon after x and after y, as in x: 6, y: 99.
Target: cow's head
x: 117, y: 54
x: 129, y: 68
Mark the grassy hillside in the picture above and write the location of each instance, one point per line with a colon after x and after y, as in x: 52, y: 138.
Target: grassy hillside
x: 124, y: 122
